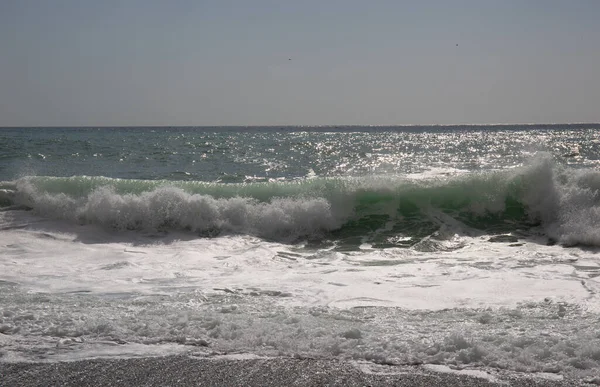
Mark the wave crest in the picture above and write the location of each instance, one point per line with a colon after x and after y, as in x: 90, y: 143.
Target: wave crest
x: 565, y: 202
x: 173, y: 208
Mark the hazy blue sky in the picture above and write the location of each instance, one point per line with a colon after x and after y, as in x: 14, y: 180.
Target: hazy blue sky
x: 149, y: 62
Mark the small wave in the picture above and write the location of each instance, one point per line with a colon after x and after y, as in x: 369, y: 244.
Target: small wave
x: 7, y: 193
x: 393, y: 211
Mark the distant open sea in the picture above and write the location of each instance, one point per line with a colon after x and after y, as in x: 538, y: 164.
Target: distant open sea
x: 465, y: 246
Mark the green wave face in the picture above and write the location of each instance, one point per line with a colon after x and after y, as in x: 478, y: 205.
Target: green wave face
x: 381, y: 210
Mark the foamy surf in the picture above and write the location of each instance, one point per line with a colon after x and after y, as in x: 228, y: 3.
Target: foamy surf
x: 563, y: 201
x: 481, y: 268
x: 100, y: 292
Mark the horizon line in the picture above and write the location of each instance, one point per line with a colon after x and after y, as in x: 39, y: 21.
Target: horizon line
x: 297, y: 126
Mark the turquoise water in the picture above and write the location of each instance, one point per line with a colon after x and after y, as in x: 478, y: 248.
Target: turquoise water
x: 388, y: 186
x: 471, y: 246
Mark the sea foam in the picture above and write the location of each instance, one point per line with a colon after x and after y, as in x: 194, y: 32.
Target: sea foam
x: 563, y: 201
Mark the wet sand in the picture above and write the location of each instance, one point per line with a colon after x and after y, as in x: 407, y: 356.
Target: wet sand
x: 192, y: 371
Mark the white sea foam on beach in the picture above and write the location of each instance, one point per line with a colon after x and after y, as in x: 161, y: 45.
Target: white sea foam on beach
x: 85, y: 291
x: 454, y: 247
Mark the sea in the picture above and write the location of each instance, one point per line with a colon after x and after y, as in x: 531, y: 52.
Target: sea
x: 467, y: 247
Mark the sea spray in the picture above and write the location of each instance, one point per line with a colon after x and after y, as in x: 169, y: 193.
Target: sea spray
x: 562, y: 200
x: 439, y: 245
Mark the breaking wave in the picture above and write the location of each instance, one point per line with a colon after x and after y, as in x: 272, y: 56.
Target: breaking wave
x: 562, y: 202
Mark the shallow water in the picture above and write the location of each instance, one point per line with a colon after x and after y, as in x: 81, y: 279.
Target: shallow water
x: 467, y: 246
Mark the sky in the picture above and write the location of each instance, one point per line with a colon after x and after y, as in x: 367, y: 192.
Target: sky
x: 304, y: 62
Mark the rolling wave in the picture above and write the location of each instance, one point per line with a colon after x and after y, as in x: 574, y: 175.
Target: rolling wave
x: 391, y: 210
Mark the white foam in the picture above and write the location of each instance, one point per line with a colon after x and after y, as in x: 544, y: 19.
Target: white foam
x: 562, y: 199
x: 88, y: 258
x: 565, y: 200
x: 279, y: 218
x: 475, y: 303
x: 447, y: 370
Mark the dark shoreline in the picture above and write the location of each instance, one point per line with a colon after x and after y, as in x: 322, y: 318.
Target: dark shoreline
x: 202, y: 371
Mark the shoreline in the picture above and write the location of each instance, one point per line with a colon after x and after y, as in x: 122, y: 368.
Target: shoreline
x: 184, y: 370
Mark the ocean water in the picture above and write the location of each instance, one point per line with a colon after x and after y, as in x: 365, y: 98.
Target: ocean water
x: 466, y: 246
